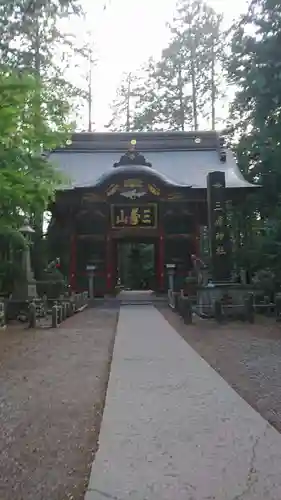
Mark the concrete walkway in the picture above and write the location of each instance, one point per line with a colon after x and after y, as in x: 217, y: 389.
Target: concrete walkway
x: 173, y: 429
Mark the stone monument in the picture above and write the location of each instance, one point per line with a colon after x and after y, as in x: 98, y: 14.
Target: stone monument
x: 26, y: 289
x: 219, y: 238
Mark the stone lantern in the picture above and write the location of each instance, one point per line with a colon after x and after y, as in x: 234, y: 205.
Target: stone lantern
x: 26, y: 288
x: 171, y: 269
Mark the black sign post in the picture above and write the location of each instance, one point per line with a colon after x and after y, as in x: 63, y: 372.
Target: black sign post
x: 219, y: 238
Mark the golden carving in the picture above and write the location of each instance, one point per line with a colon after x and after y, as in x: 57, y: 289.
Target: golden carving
x: 174, y: 196
x: 112, y: 189
x: 153, y: 189
x: 92, y: 198
x: 135, y: 216
x: 133, y: 183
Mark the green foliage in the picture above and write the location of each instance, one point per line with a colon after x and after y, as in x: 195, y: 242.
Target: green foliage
x: 148, y: 113
x: 10, y: 272
x: 10, y: 236
x: 30, y: 33
x: 255, y: 125
x: 122, y: 107
x: 35, y: 105
x: 136, y: 265
x: 140, y: 266
x: 197, y: 48
x: 180, y: 89
x: 34, y: 42
x: 164, y: 103
x: 27, y: 180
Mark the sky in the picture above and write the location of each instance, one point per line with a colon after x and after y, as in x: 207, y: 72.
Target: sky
x: 125, y: 35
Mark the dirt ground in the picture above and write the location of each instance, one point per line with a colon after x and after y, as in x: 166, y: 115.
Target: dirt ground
x: 247, y: 356
x: 52, y: 392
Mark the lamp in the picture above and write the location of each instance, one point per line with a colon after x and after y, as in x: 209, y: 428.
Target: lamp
x: 171, y: 275
x: 26, y: 288
x: 26, y: 230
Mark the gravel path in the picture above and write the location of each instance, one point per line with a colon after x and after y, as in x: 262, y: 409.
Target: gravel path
x: 52, y: 392
x: 247, y: 356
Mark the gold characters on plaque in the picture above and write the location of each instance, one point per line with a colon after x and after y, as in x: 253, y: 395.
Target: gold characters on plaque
x: 134, y: 216
x: 219, y: 230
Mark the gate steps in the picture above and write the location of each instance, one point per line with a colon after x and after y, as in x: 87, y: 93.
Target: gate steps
x: 130, y: 298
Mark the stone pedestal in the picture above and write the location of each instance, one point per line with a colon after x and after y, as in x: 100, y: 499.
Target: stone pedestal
x: 91, y: 276
x: 25, y: 291
x: 235, y: 293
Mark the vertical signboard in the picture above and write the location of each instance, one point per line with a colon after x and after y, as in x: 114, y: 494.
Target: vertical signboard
x: 219, y: 239
x: 204, y: 241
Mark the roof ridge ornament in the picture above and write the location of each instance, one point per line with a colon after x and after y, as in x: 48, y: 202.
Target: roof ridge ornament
x: 132, y: 157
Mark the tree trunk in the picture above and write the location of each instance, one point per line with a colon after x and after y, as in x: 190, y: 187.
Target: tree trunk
x: 128, y: 120
x: 182, y: 111
x: 213, y: 85
x: 37, y: 43
x: 90, y: 100
x: 194, y: 89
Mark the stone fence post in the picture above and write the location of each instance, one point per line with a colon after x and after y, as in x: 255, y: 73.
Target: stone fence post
x: 2, y: 315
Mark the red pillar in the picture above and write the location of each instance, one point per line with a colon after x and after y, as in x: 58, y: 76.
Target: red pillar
x: 73, y: 262
x: 109, y: 265
x: 161, y: 262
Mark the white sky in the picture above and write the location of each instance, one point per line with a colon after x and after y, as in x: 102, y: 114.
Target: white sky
x: 126, y: 34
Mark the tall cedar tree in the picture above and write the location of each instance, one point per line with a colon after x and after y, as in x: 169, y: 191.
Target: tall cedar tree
x: 30, y: 37
x: 122, y: 108
x: 254, y: 67
x: 182, y: 88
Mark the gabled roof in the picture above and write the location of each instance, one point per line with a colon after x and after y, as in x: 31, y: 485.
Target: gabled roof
x: 181, y: 158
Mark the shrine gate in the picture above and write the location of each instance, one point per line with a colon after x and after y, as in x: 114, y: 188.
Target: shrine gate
x: 143, y: 187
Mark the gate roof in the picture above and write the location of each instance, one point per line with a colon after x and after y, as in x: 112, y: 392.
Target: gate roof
x: 182, y: 158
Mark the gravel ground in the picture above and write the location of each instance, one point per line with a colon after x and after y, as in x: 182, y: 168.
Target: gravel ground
x: 247, y: 356
x: 52, y: 392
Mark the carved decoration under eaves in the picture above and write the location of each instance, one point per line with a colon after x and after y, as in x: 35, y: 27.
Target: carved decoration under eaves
x: 112, y: 189
x: 99, y: 214
x: 154, y: 190
x: 174, y: 196
x: 132, y: 189
x: 132, y: 194
x: 92, y: 198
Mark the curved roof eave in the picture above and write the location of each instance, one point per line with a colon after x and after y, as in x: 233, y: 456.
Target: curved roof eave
x: 137, y: 170
x: 177, y: 169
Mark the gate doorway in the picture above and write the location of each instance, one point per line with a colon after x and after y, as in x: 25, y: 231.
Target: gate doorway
x: 136, y: 264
